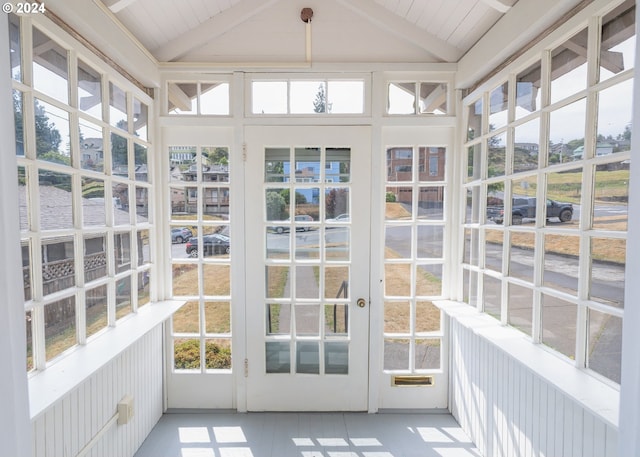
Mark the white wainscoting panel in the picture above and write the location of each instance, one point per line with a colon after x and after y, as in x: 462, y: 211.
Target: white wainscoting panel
x: 65, y: 428
x: 509, y: 410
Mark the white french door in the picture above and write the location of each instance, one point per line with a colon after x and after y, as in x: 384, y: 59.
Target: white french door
x: 307, y: 203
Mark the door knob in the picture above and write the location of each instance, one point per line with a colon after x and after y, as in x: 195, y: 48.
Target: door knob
x: 361, y: 302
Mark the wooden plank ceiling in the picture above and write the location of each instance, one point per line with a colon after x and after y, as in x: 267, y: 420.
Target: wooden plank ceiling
x: 341, y: 30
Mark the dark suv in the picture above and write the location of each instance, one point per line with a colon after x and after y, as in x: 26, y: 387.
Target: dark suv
x: 525, y: 208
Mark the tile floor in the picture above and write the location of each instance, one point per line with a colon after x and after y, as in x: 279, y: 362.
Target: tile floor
x: 230, y: 434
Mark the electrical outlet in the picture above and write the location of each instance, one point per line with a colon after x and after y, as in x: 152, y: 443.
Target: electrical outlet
x: 125, y: 410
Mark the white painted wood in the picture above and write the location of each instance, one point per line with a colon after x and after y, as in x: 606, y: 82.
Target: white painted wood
x: 69, y: 424
x: 290, y: 392
x: 530, y: 414
x: 14, y: 422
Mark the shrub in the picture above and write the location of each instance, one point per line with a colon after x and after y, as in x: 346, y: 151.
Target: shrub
x: 187, y: 355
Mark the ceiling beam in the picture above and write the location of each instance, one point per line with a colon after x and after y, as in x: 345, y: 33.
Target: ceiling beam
x: 497, y: 5
x: 119, y: 5
x: 394, y: 24
x: 210, y: 29
x: 178, y: 98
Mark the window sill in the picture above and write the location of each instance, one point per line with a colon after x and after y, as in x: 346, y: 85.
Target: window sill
x: 586, y: 390
x: 50, y: 385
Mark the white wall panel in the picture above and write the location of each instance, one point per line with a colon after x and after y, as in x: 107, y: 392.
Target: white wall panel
x: 69, y: 424
x: 509, y: 410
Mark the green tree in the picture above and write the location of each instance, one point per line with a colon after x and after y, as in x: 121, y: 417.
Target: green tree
x: 320, y: 104
x: 300, y: 198
x: 275, y: 206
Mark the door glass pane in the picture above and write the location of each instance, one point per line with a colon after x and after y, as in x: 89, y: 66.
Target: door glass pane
x: 427, y: 354
x: 278, y: 357
x: 336, y: 358
x: 278, y: 318
x: 307, y: 358
x: 307, y: 320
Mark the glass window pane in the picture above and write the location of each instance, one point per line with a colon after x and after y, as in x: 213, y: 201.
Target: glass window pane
x: 474, y: 122
x: 615, y: 105
x: 18, y: 119
x: 52, y: 133
x: 140, y: 162
x: 307, y: 164
x: 396, y: 354
x: 569, y: 67
x: 307, y: 282
x: 431, y: 163
x: 124, y: 304
x: 143, y: 246
x: 433, y: 98
x: 528, y: 94
x: 50, y: 67
x: 336, y: 205
x: 278, y: 357
x: 397, y: 317
x: 95, y: 258
x: 187, y: 318
x: 183, y: 98
x: 91, y: 146
x: 399, y: 164
x: 472, y: 212
x: 520, y: 308
x: 59, y: 326
x: 217, y: 280
x: 307, y: 97
x: 29, y: 332
x: 497, y: 155
x: 119, y: 155
x: 337, y: 167
x: 492, y: 296
x: 217, y: 317
x: 470, y: 287
x: 56, y: 207
x: 493, y: 249
x: 27, y: 278
x: 397, y: 242
x: 181, y: 159
x: 93, y: 209
x: 118, y: 107
x: 397, y: 281
x: 89, y: 90
x: 604, y: 349
x: 336, y: 319
x: 140, y: 119
x: 214, y: 99
x: 216, y: 164
x: 402, y: 98
x: 269, y: 97
x: 474, y: 162
x: 611, y: 196
x: 144, y: 288
x: 277, y: 208
x: 427, y: 354
x: 521, y: 255
x: 563, y: 191
x: 336, y: 282
x: 337, y: 242
x: 336, y: 358
x: 307, y: 320
x: 120, y: 195
x: 278, y: 318
x: 617, y: 41
x: 345, y: 97
x: 561, y: 262
x: 277, y: 165
x: 307, y: 357
x: 217, y: 353
x: 15, y: 53
x: 142, y: 204
x: 122, y: 251
x: 608, y: 271
x: 471, y: 246
x: 23, y: 201
x: 429, y: 280
x: 559, y: 325
x: 495, y: 202
x: 278, y: 245
x: 498, y: 106
x: 58, y: 266
x: 430, y: 241
x: 427, y: 317
x: 526, y: 147
x: 277, y: 281
x: 186, y: 354
x: 398, y: 203
x: 96, y: 309
x: 431, y: 203
x: 184, y: 279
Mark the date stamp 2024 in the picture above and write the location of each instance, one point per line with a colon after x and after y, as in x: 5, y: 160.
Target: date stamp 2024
x: 24, y: 8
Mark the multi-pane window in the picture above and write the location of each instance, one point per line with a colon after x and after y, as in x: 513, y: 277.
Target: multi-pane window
x: 305, y: 96
x: 198, y: 98
x: 547, y: 187
x: 413, y: 257
x: 419, y: 97
x: 83, y: 190
x: 200, y: 256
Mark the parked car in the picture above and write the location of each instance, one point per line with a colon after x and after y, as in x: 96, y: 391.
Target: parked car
x: 299, y: 218
x: 340, y: 218
x: 180, y: 234
x: 525, y: 208
x: 215, y: 244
